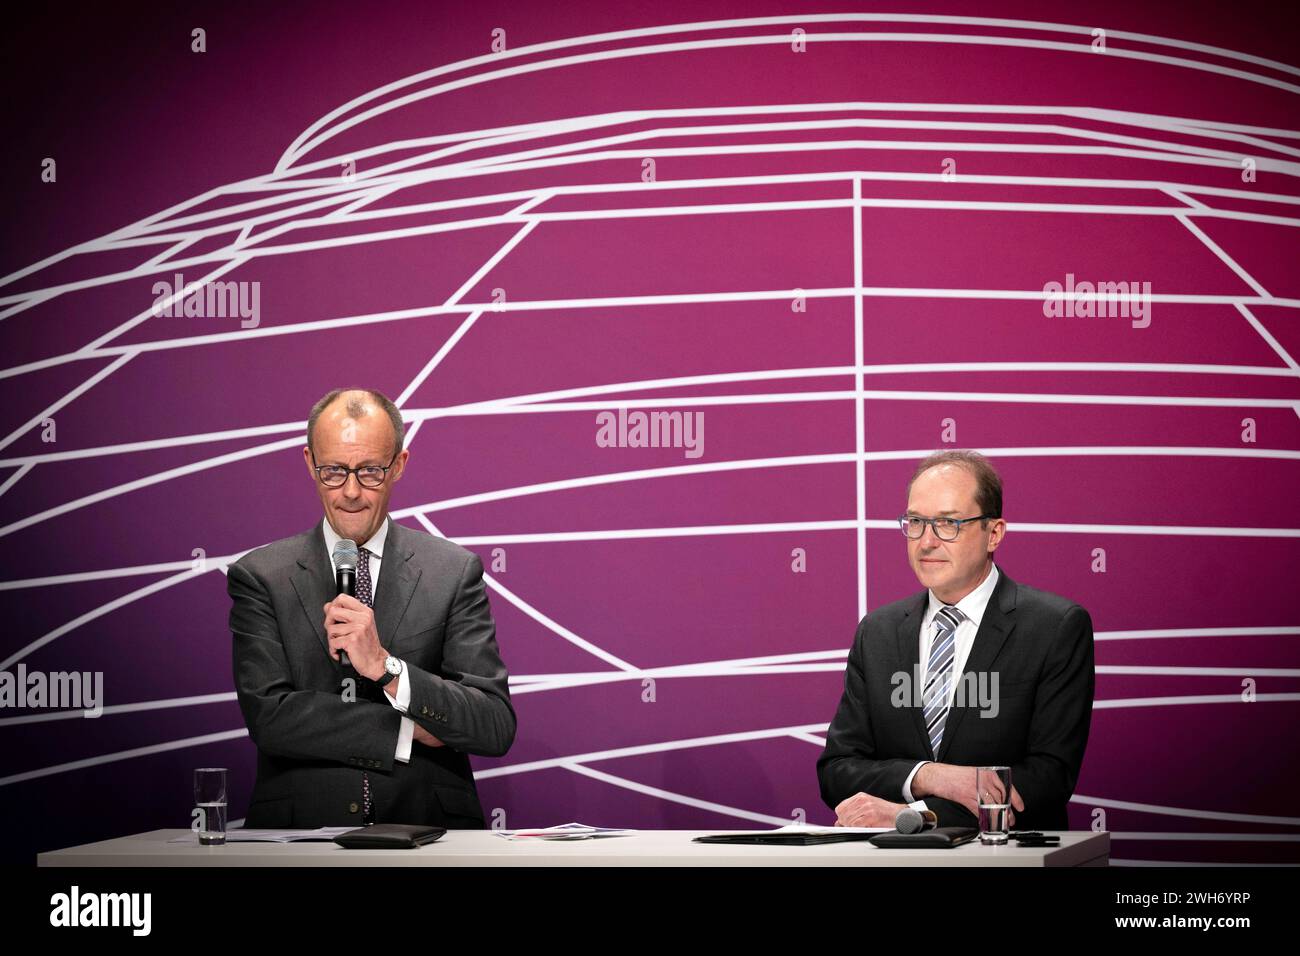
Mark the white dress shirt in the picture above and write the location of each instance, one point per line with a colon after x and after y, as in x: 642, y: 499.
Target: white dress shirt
x: 972, y: 605
x: 375, y: 546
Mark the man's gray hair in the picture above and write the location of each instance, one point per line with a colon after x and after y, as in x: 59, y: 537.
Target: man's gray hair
x: 356, y: 408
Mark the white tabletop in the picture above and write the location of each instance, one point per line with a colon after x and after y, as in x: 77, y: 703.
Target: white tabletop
x: 645, y: 848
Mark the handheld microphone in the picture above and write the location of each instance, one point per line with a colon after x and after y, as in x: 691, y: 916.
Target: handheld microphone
x: 914, y: 821
x: 345, y: 576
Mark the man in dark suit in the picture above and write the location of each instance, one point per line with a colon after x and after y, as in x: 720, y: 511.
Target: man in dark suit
x: 977, y: 670
x: 383, y: 735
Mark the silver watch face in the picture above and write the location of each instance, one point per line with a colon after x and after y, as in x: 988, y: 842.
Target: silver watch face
x: 393, y: 665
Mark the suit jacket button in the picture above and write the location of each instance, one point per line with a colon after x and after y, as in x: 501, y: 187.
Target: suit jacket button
x: 353, y: 808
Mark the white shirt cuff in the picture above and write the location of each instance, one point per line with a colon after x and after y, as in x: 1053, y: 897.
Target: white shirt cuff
x: 404, y: 738
x: 907, y: 787
x: 402, y: 700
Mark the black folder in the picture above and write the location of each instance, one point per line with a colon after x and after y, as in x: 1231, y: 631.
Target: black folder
x: 389, y: 836
x: 941, y: 838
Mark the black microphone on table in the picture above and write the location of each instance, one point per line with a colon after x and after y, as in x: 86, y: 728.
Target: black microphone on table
x: 346, y: 556
x: 914, y: 821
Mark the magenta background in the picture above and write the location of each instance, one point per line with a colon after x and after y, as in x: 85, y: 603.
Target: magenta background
x: 138, y: 124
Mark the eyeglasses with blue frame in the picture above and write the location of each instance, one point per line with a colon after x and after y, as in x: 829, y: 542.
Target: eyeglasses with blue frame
x: 945, y: 528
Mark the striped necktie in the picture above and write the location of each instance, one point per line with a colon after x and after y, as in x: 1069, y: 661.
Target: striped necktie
x: 934, y: 698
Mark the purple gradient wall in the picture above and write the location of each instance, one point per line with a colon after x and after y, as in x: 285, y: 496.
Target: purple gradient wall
x: 799, y: 226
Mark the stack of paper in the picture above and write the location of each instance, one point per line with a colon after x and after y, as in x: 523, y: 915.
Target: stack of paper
x: 565, y: 831
x: 240, y: 835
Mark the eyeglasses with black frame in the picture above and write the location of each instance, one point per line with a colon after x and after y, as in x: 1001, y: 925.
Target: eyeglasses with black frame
x: 336, y: 476
x: 945, y: 528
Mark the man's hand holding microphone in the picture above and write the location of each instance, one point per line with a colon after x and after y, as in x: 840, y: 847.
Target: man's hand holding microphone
x: 350, y: 627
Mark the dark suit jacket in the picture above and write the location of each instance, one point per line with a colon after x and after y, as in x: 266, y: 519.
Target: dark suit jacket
x: 1041, y: 646
x: 431, y: 610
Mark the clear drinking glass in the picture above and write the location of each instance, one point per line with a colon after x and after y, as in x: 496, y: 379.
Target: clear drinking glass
x: 993, y: 794
x: 210, y: 799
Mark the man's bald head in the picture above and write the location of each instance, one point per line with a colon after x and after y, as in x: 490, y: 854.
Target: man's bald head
x: 357, y: 403
x: 347, y: 431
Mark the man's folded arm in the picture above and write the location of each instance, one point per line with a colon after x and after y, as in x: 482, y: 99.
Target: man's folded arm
x: 950, y: 813
x: 467, y: 705
x: 1058, y: 728
x: 849, y: 764
x: 300, y: 724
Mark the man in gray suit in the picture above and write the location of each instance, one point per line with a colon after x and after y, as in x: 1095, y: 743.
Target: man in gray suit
x: 999, y: 673
x: 384, y: 737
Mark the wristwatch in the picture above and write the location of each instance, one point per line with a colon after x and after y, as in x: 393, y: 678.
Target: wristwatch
x: 392, y: 667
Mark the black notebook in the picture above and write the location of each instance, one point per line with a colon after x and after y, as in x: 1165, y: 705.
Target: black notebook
x: 389, y: 836
x: 938, y: 838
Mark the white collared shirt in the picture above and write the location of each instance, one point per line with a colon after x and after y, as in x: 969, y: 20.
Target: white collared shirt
x: 973, y: 606
x: 402, y: 701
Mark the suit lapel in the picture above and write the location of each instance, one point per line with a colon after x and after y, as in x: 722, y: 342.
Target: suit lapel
x: 997, y: 623
x: 397, y: 581
x: 909, y: 653
x: 313, y: 579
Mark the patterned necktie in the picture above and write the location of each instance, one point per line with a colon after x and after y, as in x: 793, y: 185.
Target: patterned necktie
x: 363, y: 578
x: 364, y: 596
x: 934, y: 699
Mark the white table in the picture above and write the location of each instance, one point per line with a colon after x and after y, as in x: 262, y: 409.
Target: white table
x: 646, y: 848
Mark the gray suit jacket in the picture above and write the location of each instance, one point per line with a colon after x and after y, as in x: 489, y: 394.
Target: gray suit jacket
x: 431, y: 610
x: 1040, y: 645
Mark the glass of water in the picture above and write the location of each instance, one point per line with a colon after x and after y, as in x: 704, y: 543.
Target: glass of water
x: 210, y: 800
x: 993, y: 794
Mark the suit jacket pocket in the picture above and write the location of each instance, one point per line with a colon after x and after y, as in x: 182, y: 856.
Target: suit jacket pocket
x: 460, y: 808
x: 1017, y: 688
x: 274, y: 814
x: 416, y: 644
